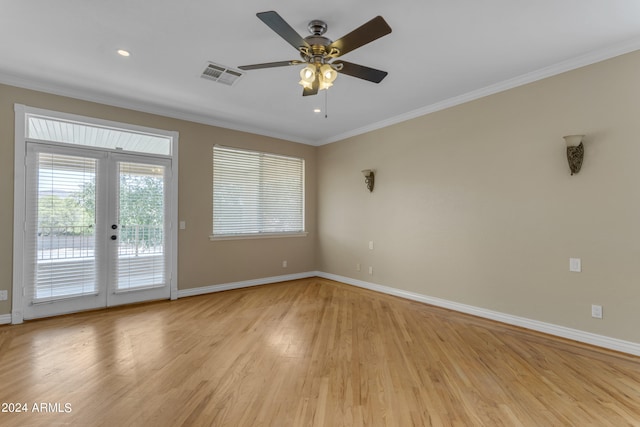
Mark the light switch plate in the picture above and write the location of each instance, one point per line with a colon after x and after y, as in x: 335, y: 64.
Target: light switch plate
x: 4, y: 295
x: 575, y: 265
x: 596, y: 311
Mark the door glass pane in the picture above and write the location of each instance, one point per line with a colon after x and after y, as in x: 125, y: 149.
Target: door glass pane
x: 141, y: 254
x: 65, y: 223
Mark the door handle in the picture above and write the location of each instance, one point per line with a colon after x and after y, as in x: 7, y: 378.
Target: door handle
x: 114, y: 237
x: 114, y: 226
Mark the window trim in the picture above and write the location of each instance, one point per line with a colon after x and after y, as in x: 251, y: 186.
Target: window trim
x: 258, y: 236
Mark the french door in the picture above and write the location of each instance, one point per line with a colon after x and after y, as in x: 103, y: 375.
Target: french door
x: 96, y: 229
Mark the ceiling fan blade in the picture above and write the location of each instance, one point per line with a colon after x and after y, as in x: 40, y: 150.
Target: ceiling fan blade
x: 284, y: 30
x: 362, y: 35
x: 313, y: 90
x: 361, y: 72
x: 270, y: 65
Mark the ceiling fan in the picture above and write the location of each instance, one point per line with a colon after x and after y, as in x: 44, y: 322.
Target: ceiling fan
x: 319, y: 52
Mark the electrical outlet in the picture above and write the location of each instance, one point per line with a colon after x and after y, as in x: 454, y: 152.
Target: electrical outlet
x: 4, y: 295
x: 596, y: 311
x: 371, y: 244
x: 575, y: 265
x: 370, y: 270
x: 284, y: 264
x: 358, y: 267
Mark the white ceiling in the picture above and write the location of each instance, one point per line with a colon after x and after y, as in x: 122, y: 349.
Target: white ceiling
x: 440, y: 53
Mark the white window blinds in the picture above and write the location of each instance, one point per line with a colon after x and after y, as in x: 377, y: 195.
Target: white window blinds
x: 256, y: 193
x: 62, y: 205
x: 141, y: 212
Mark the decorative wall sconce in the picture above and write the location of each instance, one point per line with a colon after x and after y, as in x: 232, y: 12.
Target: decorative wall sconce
x: 369, y: 178
x: 575, y: 152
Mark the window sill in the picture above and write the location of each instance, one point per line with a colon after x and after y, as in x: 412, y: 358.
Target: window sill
x: 257, y: 236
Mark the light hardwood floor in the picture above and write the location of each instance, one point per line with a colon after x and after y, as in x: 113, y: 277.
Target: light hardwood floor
x: 306, y: 353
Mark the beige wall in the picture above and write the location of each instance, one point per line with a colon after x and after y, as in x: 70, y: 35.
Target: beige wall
x: 475, y: 204
x: 200, y: 261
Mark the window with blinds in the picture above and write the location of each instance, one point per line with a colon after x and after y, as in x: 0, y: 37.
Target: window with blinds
x: 141, y: 212
x: 63, y: 251
x: 256, y: 193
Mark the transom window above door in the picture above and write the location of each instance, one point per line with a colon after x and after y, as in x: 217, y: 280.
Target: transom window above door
x: 53, y: 129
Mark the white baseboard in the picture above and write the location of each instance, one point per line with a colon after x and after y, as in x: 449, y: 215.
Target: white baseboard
x: 244, y: 284
x: 5, y: 318
x: 548, y: 328
x: 535, y: 325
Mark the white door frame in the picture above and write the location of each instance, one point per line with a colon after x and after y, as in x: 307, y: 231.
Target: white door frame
x: 19, y: 196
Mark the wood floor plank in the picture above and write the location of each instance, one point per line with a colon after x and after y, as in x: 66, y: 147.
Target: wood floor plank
x: 311, y: 352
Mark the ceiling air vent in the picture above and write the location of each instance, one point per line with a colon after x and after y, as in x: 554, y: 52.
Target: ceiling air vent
x: 221, y: 74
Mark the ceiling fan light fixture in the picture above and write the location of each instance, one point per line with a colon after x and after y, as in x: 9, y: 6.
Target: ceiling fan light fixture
x: 327, y: 76
x: 328, y: 73
x: 324, y: 85
x: 308, y: 74
x: 305, y: 84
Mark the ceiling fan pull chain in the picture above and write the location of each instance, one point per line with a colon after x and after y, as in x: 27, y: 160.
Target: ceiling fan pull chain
x: 326, y: 113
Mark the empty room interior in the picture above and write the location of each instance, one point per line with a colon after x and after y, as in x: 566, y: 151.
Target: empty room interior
x: 320, y: 214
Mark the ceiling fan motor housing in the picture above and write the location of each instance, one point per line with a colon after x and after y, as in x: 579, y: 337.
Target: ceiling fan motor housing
x: 317, y: 42
x: 317, y: 27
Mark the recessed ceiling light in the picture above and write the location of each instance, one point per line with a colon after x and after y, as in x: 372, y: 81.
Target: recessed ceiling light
x: 123, y: 52
x: 317, y: 110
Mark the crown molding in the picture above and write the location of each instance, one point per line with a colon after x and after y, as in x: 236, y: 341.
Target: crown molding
x: 121, y: 102
x: 550, y: 71
x: 143, y: 107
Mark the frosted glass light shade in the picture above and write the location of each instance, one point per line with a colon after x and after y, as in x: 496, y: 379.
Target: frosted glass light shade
x: 573, y: 140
